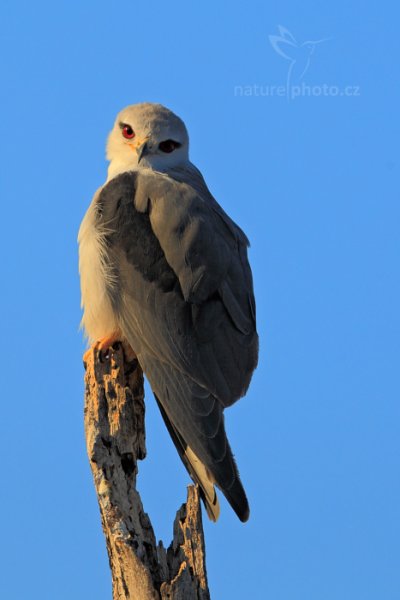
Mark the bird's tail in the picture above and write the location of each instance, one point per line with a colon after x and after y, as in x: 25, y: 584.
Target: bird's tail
x: 233, y: 489
x: 202, y: 477
x: 235, y: 493
x: 195, y: 468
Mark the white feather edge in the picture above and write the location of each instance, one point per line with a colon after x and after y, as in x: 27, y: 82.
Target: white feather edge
x: 98, y: 318
x: 206, y: 482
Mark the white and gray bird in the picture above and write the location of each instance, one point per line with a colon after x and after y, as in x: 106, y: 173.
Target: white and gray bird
x: 165, y: 269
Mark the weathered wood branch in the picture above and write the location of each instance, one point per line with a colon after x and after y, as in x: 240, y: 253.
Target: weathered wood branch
x: 115, y: 435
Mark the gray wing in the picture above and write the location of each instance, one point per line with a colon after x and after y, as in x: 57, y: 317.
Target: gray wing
x: 183, y: 295
x: 208, y: 253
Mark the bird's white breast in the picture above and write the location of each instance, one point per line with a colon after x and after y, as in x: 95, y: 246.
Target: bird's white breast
x: 98, y: 318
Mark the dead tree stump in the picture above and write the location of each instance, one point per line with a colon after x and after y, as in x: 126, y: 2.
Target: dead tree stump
x: 141, y: 569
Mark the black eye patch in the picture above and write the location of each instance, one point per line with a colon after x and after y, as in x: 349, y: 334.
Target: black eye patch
x: 168, y: 146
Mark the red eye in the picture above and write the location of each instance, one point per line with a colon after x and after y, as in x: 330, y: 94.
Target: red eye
x: 128, y: 132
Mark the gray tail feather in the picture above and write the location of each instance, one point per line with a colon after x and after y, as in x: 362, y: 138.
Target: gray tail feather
x: 236, y: 496
x: 209, y: 497
x: 234, y: 493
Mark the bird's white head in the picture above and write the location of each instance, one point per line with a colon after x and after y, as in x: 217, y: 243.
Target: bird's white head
x: 147, y: 136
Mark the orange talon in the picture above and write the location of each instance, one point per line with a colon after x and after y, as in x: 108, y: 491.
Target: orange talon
x: 103, y: 344
x: 106, y: 342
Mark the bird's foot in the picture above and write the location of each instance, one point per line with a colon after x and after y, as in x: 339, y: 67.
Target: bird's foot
x: 103, y: 345
x: 109, y: 340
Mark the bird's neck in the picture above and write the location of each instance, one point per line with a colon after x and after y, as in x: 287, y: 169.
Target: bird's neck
x: 116, y: 167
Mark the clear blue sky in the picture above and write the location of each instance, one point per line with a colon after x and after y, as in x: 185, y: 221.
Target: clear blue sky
x: 314, y: 181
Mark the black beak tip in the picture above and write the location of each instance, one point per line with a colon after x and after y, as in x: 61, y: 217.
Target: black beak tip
x: 142, y: 151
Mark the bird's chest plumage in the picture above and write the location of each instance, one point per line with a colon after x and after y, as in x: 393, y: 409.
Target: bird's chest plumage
x: 118, y: 251
x: 99, y: 318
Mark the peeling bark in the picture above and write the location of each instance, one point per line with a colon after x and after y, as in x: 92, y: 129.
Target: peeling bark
x: 115, y: 436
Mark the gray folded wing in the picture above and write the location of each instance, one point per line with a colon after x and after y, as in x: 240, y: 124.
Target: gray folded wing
x: 182, y: 290
x: 208, y: 253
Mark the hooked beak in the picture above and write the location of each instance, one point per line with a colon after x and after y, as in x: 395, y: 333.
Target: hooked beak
x: 141, y: 150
